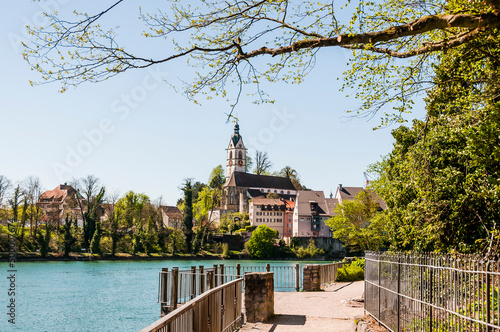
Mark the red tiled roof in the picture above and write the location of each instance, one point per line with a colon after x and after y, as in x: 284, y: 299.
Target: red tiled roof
x: 58, y: 194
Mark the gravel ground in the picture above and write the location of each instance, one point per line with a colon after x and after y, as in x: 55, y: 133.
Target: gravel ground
x: 331, y: 310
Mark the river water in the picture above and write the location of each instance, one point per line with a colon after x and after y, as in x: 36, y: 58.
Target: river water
x: 91, y: 296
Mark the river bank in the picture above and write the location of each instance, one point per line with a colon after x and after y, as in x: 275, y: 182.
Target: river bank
x: 36, y: 257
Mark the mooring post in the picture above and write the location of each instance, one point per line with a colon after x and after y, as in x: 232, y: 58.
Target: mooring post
x: 210, y: 279
x: 238, y: 269
x: 221, y: 272
x: 193, y: 282
x: 202, y: 279
x: 216, y: 272
x: 268, y: 267
x: 163, y: 292
x: 174, y: 288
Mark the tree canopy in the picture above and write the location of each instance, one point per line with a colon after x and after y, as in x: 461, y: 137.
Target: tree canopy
x: 224, y: 40
x: 441, y: 182
x: 262, y: 241
x: 358, y: 223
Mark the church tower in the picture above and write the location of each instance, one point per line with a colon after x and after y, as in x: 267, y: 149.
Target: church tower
x: 236, y: 154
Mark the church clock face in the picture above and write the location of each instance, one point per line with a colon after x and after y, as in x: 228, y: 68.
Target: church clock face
x: 240, y: 162
x: 230, y: 162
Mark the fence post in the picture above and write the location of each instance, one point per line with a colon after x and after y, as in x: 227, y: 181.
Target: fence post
x: 164, y: 291
x: 238, y: 269
x: 174, y: 288
x: 431, y: 286
x: 297, y: 278
x: 202, y: 279
x: 268, y: 267
x: 488, y: 296
x: 378, y: 285
x: 193, y: 282
x: 398, y: 290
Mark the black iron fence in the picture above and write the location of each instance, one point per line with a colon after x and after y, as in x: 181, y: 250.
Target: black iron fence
x: 433, y: 292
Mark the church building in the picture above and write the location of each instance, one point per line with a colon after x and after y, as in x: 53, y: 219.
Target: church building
x: 241, y: 186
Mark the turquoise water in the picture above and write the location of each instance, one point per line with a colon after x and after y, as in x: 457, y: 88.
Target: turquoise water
x: 90, y: 296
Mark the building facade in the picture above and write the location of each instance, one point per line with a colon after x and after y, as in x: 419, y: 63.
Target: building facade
x: 268, y: 211
x: 61, y: 201
x: 241, y: 186
x: 311, y: 212
x: 171, y: 216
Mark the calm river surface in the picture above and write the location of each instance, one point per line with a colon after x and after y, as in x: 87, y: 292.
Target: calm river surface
x: 91, y: 296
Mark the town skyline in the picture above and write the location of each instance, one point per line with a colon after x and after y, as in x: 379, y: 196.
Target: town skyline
x: 151, y: 138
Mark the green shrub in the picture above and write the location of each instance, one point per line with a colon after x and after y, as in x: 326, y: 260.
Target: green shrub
x: 352, y: 272
x: 311, y: 251
x: 225, y: 250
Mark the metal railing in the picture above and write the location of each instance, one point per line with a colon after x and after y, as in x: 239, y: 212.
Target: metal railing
x: 216, y: 310
x: 328, y: 272
x: 433, y: 292
x: 286, y: 278
x: 179, y: 286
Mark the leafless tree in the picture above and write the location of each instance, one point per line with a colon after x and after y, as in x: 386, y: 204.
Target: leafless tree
x: 33, y: 189
x: 5, y: 185
x: 262, y: 163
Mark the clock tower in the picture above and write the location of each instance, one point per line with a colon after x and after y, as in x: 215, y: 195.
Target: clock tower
x: 236, y: 154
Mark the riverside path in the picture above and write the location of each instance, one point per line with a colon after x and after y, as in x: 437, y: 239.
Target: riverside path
x: 330, y: 310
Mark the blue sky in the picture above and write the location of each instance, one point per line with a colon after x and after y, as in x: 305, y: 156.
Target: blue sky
x: 136, y: 133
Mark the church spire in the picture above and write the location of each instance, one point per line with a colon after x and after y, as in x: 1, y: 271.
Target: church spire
x: 236, y: 153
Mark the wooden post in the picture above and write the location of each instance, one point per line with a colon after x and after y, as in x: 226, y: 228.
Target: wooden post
x: 174, y: 288
x: 202, y: 279
x: 210, y: 280
x: 193, y: 282
x: 216, y: 272
x: 268, y: 267
x: 238, y: 269
x: 297, y: 278
x: 221, y: 271
x: 164, y: 292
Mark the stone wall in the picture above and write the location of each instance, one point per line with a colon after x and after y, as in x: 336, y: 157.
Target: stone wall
x: 259, y: 296
x: 312, y: 281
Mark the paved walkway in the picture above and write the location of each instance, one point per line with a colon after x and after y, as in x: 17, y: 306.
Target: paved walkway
x: 328, y: 311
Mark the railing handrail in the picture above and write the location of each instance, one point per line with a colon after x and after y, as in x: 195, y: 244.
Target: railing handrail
x: 186, y: 306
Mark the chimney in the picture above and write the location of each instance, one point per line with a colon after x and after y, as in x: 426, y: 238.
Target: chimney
x: 340, y: 187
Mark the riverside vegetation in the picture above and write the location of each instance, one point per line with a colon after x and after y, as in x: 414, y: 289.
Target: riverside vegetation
x: 132, y: 225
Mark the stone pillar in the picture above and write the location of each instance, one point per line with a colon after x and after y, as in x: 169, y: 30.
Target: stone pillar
x: 312, y: 280
x: 259, y: 296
